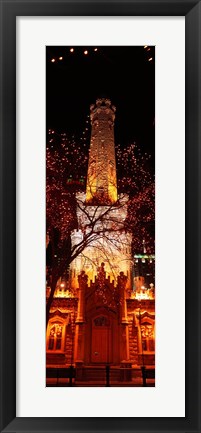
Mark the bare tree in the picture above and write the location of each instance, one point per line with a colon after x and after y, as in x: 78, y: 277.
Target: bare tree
x: 101, y: 227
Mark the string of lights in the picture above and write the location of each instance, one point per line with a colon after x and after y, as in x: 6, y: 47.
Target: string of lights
x: 72, y: 50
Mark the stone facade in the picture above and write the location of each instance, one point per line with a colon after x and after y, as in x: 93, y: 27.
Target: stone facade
x: 103, y: 324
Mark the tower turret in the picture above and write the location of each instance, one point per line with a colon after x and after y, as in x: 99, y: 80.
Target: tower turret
x: 101, y: 176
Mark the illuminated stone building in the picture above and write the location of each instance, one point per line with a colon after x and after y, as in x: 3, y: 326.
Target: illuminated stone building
x: 103, y: 314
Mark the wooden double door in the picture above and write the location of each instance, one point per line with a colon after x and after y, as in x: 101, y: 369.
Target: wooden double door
x: 101, y: 338
x: 101, y: 341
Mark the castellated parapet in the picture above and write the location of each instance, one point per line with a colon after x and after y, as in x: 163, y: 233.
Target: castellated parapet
x: 103, y: 110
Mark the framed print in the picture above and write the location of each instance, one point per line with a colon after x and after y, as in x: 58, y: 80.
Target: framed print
x: 100, y: 117
x: 95, y: 329
x: 121, y: 352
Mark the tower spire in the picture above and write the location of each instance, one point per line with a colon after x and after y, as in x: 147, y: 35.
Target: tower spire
x: 101, y: 176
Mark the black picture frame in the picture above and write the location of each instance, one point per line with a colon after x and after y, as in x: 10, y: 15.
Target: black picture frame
x: 191, y: 9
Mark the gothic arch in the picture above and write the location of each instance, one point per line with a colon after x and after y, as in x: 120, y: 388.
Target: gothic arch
x: 56, y: 333
x: 146, y: 332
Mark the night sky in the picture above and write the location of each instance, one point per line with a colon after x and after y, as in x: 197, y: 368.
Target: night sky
x: 125, y: 75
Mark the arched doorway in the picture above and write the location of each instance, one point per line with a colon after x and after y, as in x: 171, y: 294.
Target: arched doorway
x: 101, y: 347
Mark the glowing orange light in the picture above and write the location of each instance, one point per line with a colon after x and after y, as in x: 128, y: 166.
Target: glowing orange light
x: 60, y: 58
x: 72, y: 50
x: 53, y: 60
x: 95, y: 49
x: 145, y: 46
x: 85, y: 52
x: 151, y: 58
x: 62, y: 285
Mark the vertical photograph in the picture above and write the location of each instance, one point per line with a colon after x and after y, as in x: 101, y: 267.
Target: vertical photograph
x: 100, y: 216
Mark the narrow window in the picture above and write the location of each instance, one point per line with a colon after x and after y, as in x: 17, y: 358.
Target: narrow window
x: 55, y: 337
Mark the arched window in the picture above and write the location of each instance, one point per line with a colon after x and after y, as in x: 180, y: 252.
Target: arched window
x: 101, y: 321
x: 55, y: 336
x: 148, y: 338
